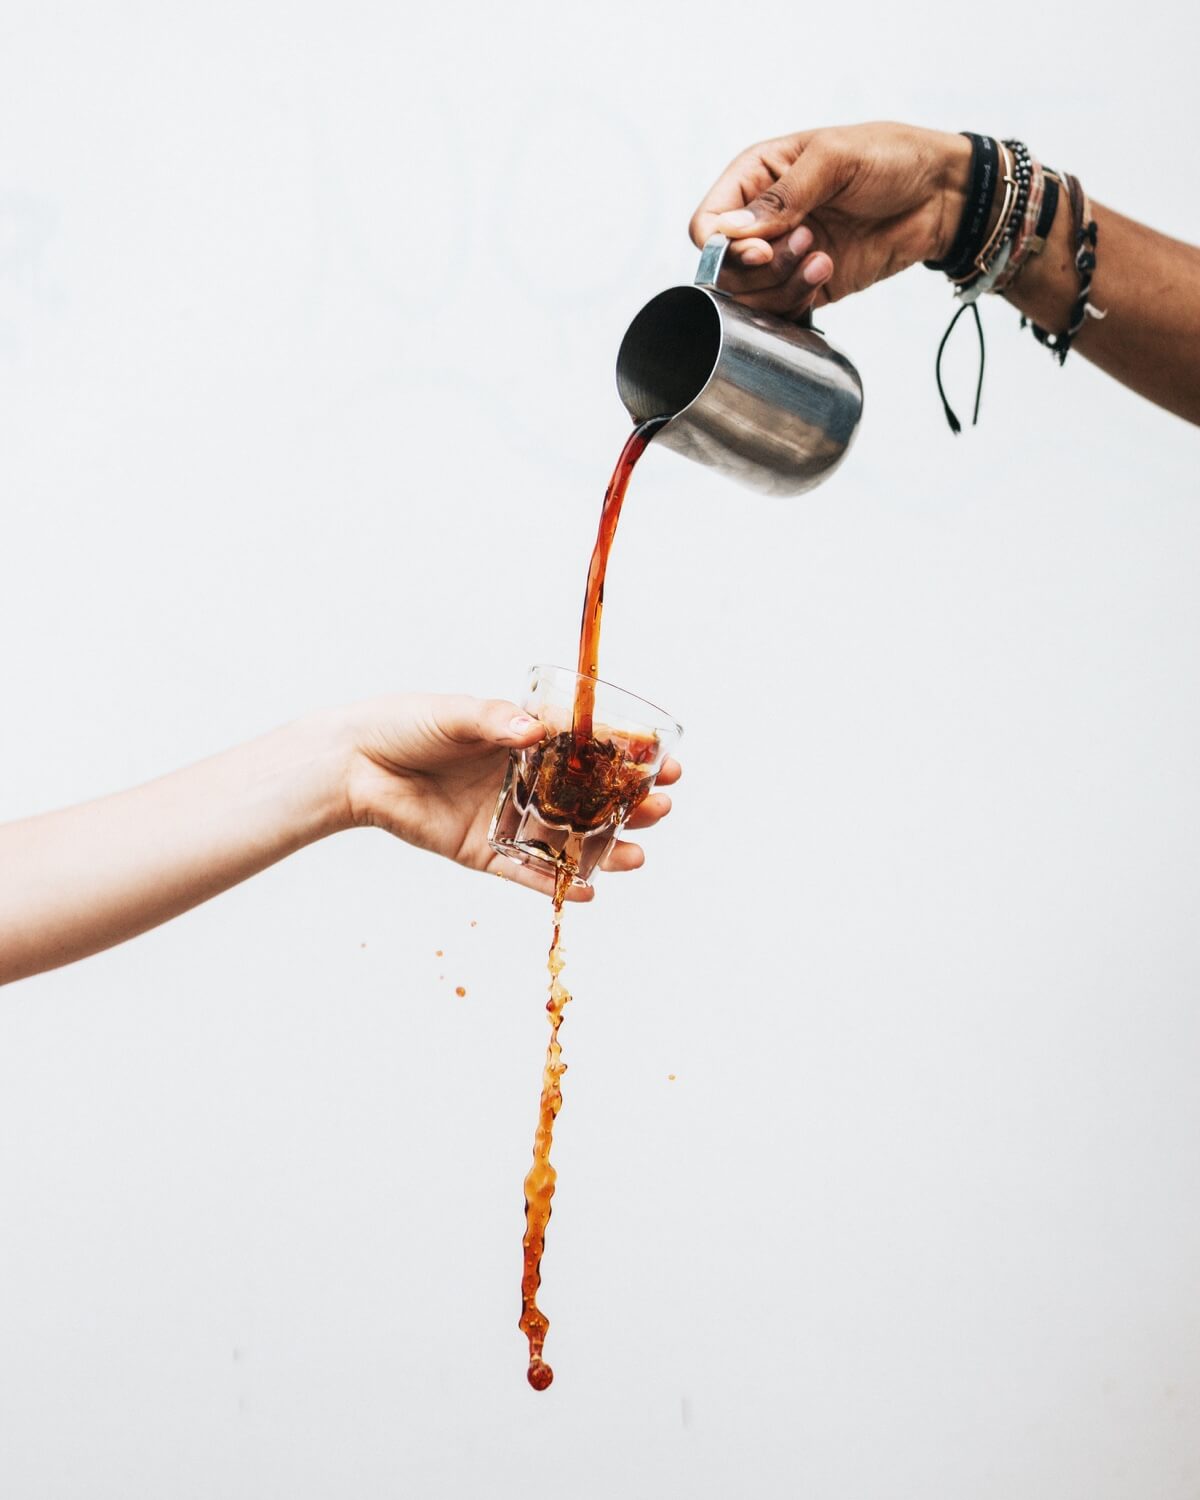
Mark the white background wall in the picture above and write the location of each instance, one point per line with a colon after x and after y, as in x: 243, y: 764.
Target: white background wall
x: 307, y: 323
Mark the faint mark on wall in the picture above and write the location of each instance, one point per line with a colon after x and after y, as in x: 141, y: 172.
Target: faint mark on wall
x: 28, y: 225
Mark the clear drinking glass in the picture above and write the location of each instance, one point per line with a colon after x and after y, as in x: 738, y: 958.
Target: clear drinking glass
x: 565, y: 800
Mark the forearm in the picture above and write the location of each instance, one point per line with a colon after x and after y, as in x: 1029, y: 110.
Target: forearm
x: 1147, y: 285
x: 76, y: 881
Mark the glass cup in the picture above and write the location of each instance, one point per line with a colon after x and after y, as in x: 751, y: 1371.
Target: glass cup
x: 565, y: 799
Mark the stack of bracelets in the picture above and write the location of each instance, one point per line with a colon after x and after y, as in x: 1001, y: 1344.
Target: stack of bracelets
x: 989, y: 259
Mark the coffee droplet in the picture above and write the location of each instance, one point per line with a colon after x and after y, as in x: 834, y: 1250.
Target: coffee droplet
x: 459, y: 991
x: 539, y: 1374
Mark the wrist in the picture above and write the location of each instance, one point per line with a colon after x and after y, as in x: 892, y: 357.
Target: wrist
x: 315, y: 757
x: 950, y: 184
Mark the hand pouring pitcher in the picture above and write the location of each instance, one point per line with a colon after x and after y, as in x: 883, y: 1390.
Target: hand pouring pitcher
x: 768, y: 403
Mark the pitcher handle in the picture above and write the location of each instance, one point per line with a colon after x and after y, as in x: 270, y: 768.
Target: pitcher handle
x: 712, y: 257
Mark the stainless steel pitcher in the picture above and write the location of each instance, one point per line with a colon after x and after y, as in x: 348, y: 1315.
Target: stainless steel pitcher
x: 769, y: 403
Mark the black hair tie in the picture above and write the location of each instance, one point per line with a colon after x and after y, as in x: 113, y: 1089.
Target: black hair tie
x: 951, y: 418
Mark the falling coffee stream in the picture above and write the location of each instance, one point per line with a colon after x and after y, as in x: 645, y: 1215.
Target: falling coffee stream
x: 589, y: 771
x: 539, y: 1183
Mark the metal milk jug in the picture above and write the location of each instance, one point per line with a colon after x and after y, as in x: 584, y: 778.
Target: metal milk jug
x: 769, y: 403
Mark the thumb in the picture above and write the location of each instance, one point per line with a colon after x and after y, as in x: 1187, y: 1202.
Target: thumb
x: 810, y: 181
x: 493, y: 721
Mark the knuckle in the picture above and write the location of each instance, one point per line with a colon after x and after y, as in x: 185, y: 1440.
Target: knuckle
x: 777, y: 199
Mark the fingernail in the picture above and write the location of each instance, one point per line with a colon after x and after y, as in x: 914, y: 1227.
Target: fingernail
x: 817, y: 270
x: 737, y: 218
x: 521, y: 723
x: 800, y: 239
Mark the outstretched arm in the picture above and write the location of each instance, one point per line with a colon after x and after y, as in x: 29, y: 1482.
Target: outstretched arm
x: 1148, y: 287
x: 821, y: 214
x: 423, y: 767
x: 85, y: 878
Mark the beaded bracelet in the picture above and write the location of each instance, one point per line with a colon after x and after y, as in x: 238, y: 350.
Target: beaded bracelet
x: 1022, y: 239
x: 1024, y: 216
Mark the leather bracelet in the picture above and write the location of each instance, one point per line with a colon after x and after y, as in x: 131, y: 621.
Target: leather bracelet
x: 1084, y: 238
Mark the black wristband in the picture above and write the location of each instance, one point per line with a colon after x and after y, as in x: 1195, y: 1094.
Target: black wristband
x: 972, y: 228
x: 1045, y: 221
